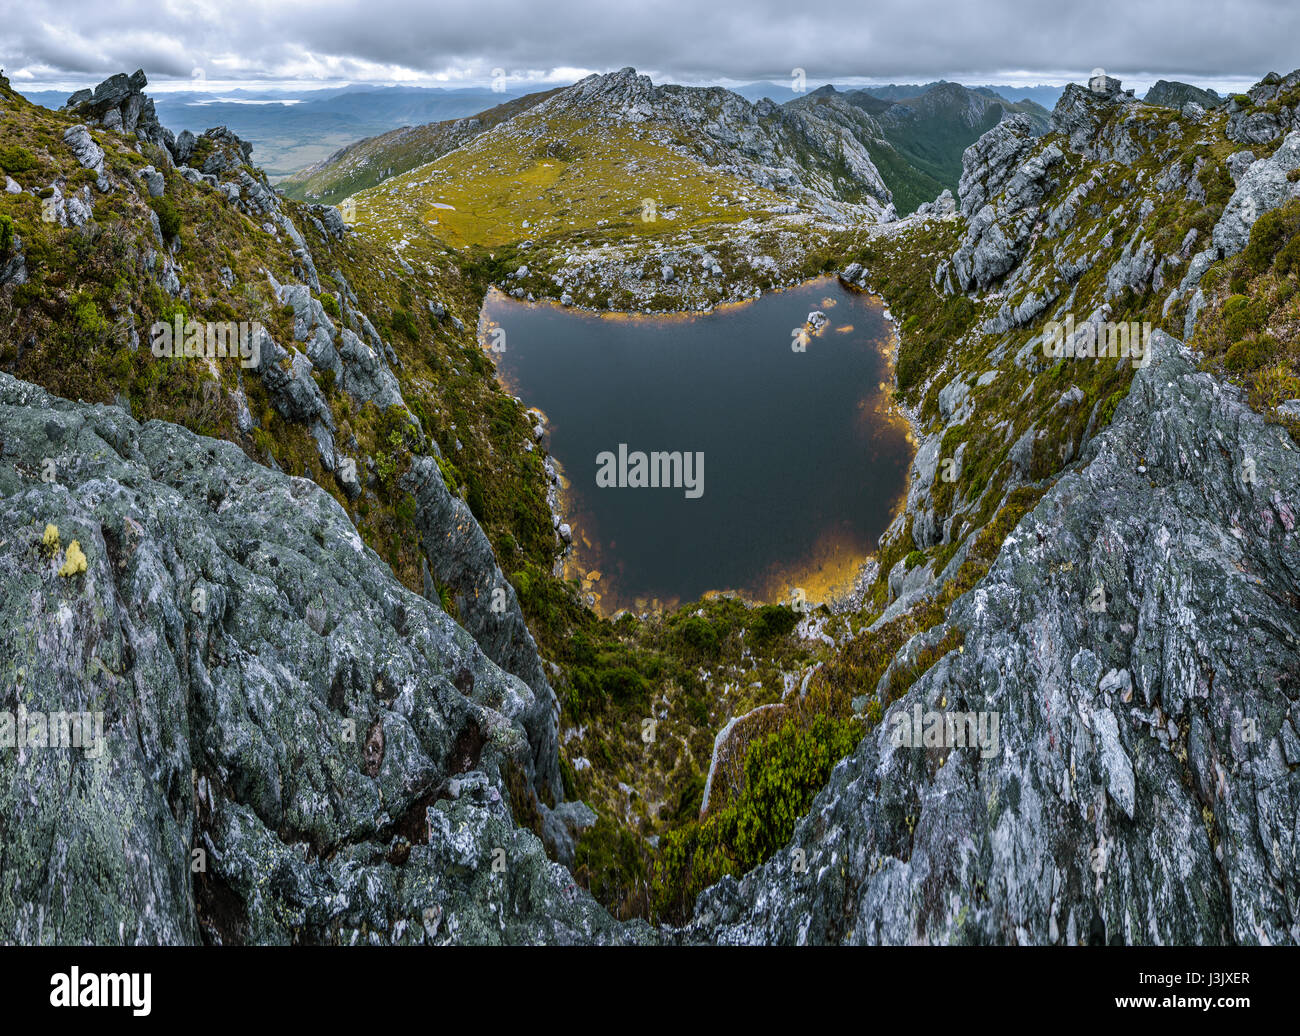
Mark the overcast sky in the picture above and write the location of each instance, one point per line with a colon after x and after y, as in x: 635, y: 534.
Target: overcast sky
x: 66, y: 43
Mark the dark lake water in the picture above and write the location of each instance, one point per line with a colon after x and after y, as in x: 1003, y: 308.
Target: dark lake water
x: 803, y: 461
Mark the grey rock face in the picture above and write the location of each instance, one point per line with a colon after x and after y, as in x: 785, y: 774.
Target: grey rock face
x: 185, y: 142
x: 294, y: 392
x: 331, y: 219
x: 360, y: 370
x: 272, y: 698
x: 228, y: 151
x: 1133, y: 269
x: 1263, y: 186
x: 86, y: 152
x: 312, y: 326
x: 366, y: 375
x: 154, y: 181
x: 1086, y: 118
x: 1238, y: 163
x: 1145, y: 788
x: 1257, y: 124
x: 1255, y: 127
x: 997, y: 234
x: 944, y: 205
x: 13, y: 265
x: 256, y: 198
x: 460, y: 556
x: 991, y: 161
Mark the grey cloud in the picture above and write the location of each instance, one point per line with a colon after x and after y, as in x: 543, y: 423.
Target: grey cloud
x: 679, y: 39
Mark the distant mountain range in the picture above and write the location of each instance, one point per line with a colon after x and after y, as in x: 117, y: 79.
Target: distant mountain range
x: 930, y: 131
x: 367, y: 162
x: 1046, y: 96
x: 289, y: 134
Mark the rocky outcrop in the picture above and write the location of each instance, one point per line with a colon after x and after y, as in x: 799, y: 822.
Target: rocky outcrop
x: 13, y: 264
x: 1271, y: 108
x: 223, y: 151
x: 1263, y: 185
x: 119, y: 103
x: 1173, y: 94
x: 294, y: 746
x: 943, y: 206
x: 991, y: 161
x: 89, y: 154
x: 1004, y: 177
x: 294, y: 392
x: 1138, y: 640
x: 1103, y: 127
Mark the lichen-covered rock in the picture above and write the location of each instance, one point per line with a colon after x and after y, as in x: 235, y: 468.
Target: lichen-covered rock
x: 86, y: 152
x: 1264, y: 185
x: 460, y: 556
x: 295, y: 747
x: 1137, y: 638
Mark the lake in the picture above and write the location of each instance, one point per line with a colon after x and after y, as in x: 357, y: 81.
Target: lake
x: 740, y: 450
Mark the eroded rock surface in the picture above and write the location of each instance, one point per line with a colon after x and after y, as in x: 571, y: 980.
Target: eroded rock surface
x: 295, y: 746
x: 1145, y: 789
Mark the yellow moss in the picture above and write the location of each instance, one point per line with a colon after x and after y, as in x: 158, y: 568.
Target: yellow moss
x: 75, y: 561
x: 51, y: 538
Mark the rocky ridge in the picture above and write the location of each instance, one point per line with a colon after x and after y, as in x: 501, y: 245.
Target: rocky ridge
x: 1145, y: 788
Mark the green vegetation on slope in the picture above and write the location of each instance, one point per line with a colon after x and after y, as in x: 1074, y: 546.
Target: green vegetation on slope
x: 375, y: 159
